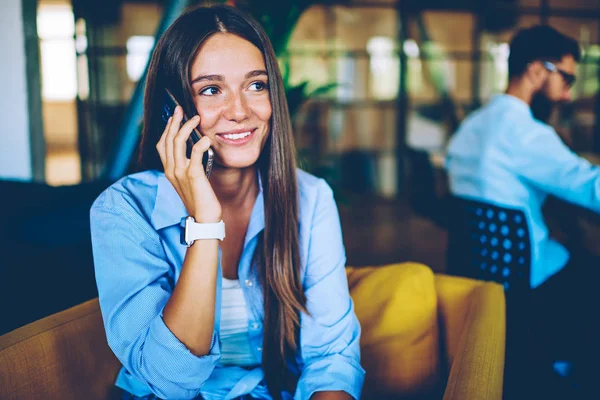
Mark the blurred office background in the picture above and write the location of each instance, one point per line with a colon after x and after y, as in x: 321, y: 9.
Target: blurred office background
x: 377, y: 88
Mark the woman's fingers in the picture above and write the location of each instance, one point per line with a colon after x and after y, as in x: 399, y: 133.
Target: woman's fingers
x: 180, y: 147
x: 196, y: 168
x: 169, y: 145
x: 160, y: 146
x: 188, y: 175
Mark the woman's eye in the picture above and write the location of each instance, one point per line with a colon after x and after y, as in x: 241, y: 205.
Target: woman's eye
x: 209, y: 91
x: 258, y: 86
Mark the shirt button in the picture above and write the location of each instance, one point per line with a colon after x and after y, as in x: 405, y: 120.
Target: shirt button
x: 259, y: 348
x: 248, y: 282
x: 255, y: 326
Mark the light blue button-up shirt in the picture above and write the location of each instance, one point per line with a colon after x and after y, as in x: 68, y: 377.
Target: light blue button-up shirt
x: 503, y: 155
x: 138, y: 258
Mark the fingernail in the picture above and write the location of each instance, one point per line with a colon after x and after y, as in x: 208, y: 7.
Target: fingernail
x: 196, y: 117
x: 177, y: 109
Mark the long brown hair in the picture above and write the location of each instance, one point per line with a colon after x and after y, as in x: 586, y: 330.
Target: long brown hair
x: 279, y: 256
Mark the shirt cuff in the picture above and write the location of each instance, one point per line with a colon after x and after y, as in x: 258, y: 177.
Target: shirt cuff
x: 332, y: 373
x: 177, y: 363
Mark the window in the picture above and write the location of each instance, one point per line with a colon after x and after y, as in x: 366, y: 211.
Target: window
x: 56, y: 29
x: 384, y: 67
x: 138, y: 53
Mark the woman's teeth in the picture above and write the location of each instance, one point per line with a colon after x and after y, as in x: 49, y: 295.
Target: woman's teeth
x: 236, y: 136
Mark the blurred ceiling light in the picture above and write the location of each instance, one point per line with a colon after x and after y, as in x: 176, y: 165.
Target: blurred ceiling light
x: 501, y: 51
x: 55, y: 21
x: 56, y: 28
x: 384, y: 66
x: 138, y: 52
x: 411, y: 48
x: 81, y: 44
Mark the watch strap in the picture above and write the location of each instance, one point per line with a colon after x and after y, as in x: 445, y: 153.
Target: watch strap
x: 192, y: 230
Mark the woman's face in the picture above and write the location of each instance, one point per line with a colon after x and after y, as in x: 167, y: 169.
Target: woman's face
x: 230, y: 88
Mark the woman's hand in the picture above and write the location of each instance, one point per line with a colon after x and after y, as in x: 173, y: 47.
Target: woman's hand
x: 187, y: 175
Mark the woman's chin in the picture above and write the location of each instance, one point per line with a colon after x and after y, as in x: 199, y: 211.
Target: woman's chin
x: 236, y: 163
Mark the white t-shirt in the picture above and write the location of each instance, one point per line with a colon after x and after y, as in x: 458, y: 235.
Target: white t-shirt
x: 235, y: 345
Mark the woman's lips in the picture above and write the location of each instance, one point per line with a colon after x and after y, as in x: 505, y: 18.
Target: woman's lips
x: 236, y: 139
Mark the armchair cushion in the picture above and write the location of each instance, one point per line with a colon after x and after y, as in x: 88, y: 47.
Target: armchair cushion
x: 400, y: 344
x: 472, y: 318
x: 421, y: 336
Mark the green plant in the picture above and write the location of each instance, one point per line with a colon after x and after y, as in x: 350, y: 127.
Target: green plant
x: 279, y: 19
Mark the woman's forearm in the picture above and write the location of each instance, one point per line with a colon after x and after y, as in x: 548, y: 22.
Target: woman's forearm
x: 190, y: 311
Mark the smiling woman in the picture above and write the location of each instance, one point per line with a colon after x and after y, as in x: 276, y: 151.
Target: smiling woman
x: 209, y: 316
x: 234, y: 105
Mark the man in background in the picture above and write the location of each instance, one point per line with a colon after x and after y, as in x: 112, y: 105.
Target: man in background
x: 505, y: 155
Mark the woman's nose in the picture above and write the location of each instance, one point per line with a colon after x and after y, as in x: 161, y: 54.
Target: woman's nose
x: 236, y: 108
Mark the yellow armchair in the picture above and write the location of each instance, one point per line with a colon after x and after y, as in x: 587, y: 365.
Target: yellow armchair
x: 63, y: 356
x: 423, y: 337
x: 427, y: 336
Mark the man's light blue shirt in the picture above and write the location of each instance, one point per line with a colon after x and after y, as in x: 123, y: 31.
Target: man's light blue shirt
x: 503, y: 155
x: 138, y: 258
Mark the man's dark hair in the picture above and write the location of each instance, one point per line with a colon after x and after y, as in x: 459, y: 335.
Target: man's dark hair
x: 539, y: 43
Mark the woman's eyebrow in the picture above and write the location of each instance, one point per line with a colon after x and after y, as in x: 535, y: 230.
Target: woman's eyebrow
x: 207, y: 78
x: 257, y: 72
x: 220, y: 78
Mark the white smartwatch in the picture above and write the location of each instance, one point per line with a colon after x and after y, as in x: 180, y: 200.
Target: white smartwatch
x: 192, y: 231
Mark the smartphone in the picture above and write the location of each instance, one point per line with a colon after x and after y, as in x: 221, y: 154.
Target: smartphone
x: 168, y: 109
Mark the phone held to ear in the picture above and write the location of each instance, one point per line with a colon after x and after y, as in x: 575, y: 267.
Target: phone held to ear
x: 168, y: 109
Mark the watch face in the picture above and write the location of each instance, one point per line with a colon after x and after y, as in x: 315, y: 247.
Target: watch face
x: 182, y: 236
x: 182, y: 231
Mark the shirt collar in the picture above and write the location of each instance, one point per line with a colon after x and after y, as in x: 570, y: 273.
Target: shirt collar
x: 169, y: 209
x: 515, y: 102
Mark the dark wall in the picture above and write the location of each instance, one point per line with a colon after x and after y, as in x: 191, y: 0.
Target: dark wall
x: 46, y: 264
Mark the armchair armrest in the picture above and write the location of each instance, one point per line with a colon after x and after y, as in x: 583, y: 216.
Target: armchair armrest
x: 64, y: 355
x: 473, y: 317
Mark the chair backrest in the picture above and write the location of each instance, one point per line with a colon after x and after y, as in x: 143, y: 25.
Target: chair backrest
x: 489, y: 242
x: 63, y: 356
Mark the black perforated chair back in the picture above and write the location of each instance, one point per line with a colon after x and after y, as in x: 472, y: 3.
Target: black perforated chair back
x: 490, y: 243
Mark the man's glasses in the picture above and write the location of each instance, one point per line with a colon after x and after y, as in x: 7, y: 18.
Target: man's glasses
x: 568, y: 78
